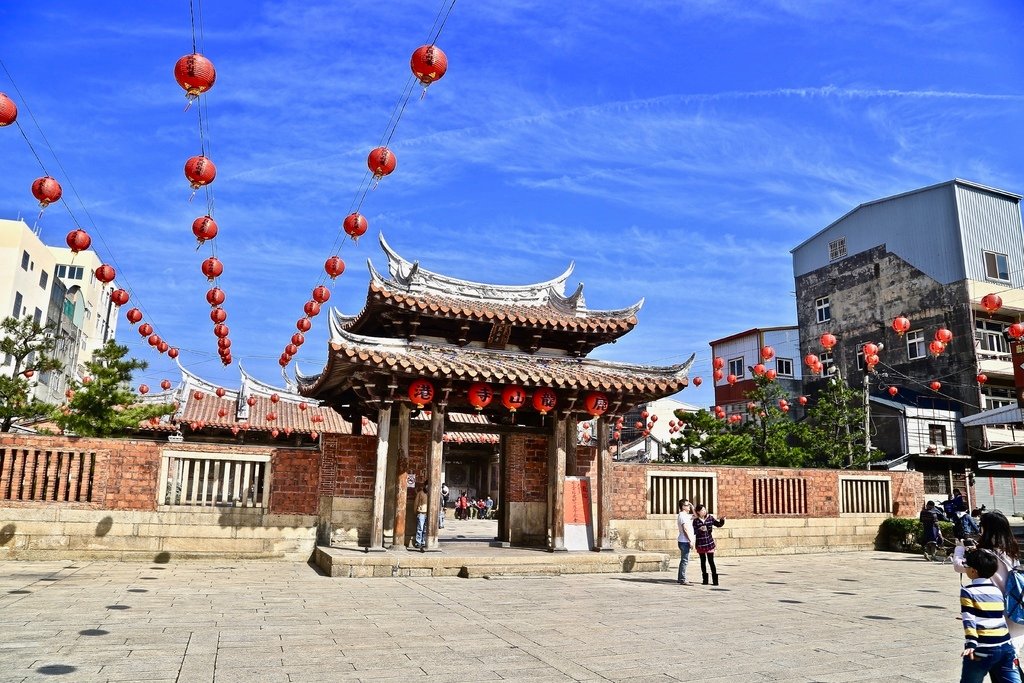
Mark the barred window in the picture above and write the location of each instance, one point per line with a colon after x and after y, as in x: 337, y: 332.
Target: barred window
x: 837, y: 249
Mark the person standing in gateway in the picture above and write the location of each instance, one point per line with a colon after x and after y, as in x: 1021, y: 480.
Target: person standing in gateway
x: 421, y: 517
x: 686, y: 538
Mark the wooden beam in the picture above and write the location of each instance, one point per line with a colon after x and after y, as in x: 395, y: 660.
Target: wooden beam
x: 504, y: 536
x: 572, y: 442
x: 434, y: 475
x: 402, y: 476
x: 380, y: 478
x: 470, y: 428
x: 556, y: 486
x: 604, y: 486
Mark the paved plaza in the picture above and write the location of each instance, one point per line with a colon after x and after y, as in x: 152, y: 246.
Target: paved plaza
x: 841, y: 617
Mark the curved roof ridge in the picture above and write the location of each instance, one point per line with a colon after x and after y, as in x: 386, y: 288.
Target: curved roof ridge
x: 410, y: 276
x: 190, y: 380
x: 251, y: 385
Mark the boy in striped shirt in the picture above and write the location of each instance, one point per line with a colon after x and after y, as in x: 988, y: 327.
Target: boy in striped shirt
x: 988, y: 649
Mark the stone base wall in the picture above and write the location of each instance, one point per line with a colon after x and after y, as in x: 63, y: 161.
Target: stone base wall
x: 346, y: 522
x: 759, y: 536
x: 528, y: 524
x: 52, y: 532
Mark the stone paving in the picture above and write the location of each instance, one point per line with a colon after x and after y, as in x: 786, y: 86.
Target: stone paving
x: 833, y: 618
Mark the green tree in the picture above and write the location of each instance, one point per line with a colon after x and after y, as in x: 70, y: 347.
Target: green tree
x: 717, y: 441
x: 833, y: 434
x: 770, y: 427
x: 105, y: 405
x: 29, y: 345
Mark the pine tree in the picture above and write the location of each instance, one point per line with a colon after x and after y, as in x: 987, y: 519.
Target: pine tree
x: 833, y: 433
x: 770, y: 427
x: 29, y: 345
x: 105, y: 405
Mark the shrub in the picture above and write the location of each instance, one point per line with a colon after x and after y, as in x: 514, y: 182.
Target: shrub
x: 903, y: 534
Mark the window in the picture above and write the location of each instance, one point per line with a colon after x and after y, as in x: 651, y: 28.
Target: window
x: 937, y: 435
x: 823, y: 309
x: 37, y: 316
x: 827, y: 363
x: 996, y: 397
x: 784, y: 366
x: 43, y: 279
x: 996, y: 267
x: 837, y: 249
x: 75, y: 272
x: 17, y: 305
x: 915, y: 345
x: 736, y: 366
x: 62, y: 271
x: 24, y: 260
x: 990, y: 336
x: 860, y: 359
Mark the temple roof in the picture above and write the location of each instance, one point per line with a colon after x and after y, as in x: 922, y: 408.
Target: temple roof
x: 542, y: 305
x: 353, y: 354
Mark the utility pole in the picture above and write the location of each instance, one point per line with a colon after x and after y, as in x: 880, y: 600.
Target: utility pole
x: 867, y: 412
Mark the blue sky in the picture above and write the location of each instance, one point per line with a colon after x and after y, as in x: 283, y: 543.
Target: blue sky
x: 675, y: 150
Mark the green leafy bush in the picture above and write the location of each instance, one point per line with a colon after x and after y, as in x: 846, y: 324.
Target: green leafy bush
x: 902, y: 534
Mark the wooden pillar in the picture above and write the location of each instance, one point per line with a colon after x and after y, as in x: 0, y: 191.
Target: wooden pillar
x: 604, y: 486
x: 383, y: 432
x: 556, y: 486
x: 434, y: 475
x: 504, y: 537
x: 401, y: 481
x: 572, y: 441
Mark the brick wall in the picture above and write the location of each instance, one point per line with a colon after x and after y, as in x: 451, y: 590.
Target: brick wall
x: 349, y: 465
x: 295, y: 485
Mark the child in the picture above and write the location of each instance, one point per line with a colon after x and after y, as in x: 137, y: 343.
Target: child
x: 987, y: 649
x: 702, y: 527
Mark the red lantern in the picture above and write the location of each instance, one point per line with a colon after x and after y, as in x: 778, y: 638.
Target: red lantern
x: 312, y: 308
x: 513, y: 397
x: 194, y: 73
x: 143, y: 389
x: 120, y: 297
x: 732, y: 379
x: 428, y: 64
x: 544, y: 400
x: 223, y: 344
x: 298, y: 339
x: 870, y: 349
x: 990, y: 302
x: 893, y: 391
x: 212, y: 268
x: 616, y: 435
x: 767, y: 353
x: 697, y: 381
x: 271, y: 416
x: 644, y: 414
x: 639, y: 425
x: 355, y: 225
x: 283, y: 361
x: 172, y: 352
x: 321, y: 294
x: 810, y: 360
x: 828, y: 340
x: 8, y: 111
x: 718, y: 363
x: 47, y: 190
x: 758, y: 369
x: 235, y: 430
x: 218, y: 315
x: 274, y: 432
x: 1016, y: 330
x: 204, y: 228
x: 717, y: 374
x: 197, y: 395
x: 291, y: 349
x: 982, y: 378
x: 381, y: 162
x: 900, y: 324
x: 771, y: 374
x: 215, y: 296
x: 802, y: 400
x: 105, y: 274
x: 220, y: 392
x: 165, y: 384
x: 145, y: 329
x: 421, y: 392
x: 936, y: 385
x: 251, y: 401
x: 274, y: 398
x: 480, y: 395
x: 872, y: 360
x: 134, y: 315
x: 222, y: 412
x: 78, y: 240
x: 936, y: 347
x: 303, y: 325
x: 314, y: 436
x: 154, y: 339
x: 302, y: 406
x: 334, y: 267
x: 654, y: 418
x: 200, y: 171
x: 87, y: 380
x: 221, y: 330
x: 943, y: 335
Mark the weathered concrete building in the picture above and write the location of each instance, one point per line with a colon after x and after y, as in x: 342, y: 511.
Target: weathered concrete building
x: 930, y: 255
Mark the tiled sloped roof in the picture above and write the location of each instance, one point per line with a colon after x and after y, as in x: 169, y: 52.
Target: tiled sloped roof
x: 444, y: 361
x: 288, y: 415
x: 542, y: 316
